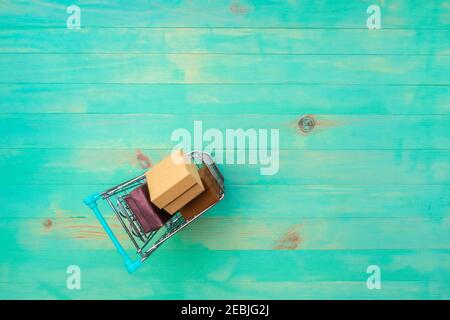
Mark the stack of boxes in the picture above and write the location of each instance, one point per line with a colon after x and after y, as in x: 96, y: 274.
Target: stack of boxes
x: 173, y: 185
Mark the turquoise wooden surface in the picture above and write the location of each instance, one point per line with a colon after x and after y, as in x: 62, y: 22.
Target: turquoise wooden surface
x: 82, y: 110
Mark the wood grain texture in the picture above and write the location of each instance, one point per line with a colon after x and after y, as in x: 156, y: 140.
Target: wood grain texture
x: 303, y: 201
x: 331, y: 131
x: 83, y: 110
x: 305, y: 274
x: 225, y: 99
x: 313, y: 167
x: 226, y: 41
x: 241, y: 233
x: 138, y: 68
x: 416, y: 14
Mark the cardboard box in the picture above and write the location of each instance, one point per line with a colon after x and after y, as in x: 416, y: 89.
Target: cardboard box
x: 207, y: 198
x: 174, y: 182
x: 149, y: 216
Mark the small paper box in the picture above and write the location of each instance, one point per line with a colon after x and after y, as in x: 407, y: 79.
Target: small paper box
x: 174, y: 182
x: 149, y: 216
x: 207, y: 198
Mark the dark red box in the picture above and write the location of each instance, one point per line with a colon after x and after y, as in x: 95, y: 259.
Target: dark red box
x: 149, y: 216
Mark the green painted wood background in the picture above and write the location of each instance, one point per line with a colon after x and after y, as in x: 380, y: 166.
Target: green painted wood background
x: 81, y: 110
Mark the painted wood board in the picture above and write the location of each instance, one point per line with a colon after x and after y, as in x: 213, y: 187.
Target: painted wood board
x: 301, y: 200
x: 249, y: 41
x: 313, y: 167
x: 416, y: 14
x: 330, y: 131
x: 241, y: 233
x: 305, y: 274
x: 82, y: 110
x: 139, y: 68
x: 213, y: 99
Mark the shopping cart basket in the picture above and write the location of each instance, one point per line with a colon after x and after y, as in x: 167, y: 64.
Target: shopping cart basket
x: 146, y: 243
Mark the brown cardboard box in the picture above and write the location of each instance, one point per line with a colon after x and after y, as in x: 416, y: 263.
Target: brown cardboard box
x: 173, y: 182
x: 149, y: 216
x: 207, y: 198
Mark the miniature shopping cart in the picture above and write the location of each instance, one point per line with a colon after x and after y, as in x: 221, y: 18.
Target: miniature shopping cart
x: 146, y: 243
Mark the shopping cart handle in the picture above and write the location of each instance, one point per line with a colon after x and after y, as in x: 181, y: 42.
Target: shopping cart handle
x: 91, y: 202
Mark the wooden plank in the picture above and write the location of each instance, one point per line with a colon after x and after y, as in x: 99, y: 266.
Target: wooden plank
x: 155, y: 131
x: 83, y: 110
x: 224, y: 99
x: 245, y: 289
x: 301, y: 201
x: 231, y: 69
x: 226, y: 266
x: 239, y: 233
x: 332, y: 167
x: 406, y: 14
x: 230, y: 41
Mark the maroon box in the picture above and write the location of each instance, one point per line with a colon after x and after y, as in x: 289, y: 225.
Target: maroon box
x: 149, y: 216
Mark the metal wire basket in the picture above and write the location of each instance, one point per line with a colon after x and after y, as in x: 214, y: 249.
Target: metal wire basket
x: 146, y: 243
